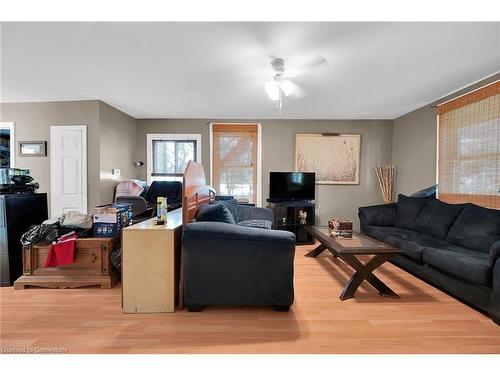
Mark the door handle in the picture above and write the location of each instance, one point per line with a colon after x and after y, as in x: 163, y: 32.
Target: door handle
x: 94, y: 258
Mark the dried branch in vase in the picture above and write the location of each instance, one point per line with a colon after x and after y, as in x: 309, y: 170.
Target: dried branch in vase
x: 385, y: 175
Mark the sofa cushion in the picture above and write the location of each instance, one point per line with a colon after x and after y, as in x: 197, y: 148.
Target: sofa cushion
x: 256, y: 223
x: 412, y: 249
x: 413, y: 242
x: 436, y: 218
x: 408, y: 210
x: 476, y: 228
x: 215, y: 212
x: 232, y: 206
x: 465, y: 264
x: 379, y: 232
x: 410, y: 241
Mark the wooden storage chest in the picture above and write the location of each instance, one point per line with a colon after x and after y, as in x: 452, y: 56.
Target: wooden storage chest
x: 91, y: 266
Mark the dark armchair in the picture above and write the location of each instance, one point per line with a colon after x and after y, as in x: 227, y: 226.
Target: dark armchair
x: 144, y: 205
x: 172, y: 190
x: 228, y: 264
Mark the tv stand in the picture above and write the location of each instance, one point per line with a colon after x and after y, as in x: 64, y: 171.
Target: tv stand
x: 287, y: 217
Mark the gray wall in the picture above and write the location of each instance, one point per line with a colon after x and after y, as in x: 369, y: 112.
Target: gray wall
x: 414, y: 150
x: 278, y: 149
x: 33, y: 122
x: 117, y: 149
x: 415, y: 144
x: 116, y: 140
x: 110, y: 141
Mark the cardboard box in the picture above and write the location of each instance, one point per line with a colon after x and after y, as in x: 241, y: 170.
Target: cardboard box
x: 107, y: 230
x: 109, y: 220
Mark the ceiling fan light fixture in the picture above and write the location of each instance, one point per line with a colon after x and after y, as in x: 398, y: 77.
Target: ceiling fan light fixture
x: 273, y: 90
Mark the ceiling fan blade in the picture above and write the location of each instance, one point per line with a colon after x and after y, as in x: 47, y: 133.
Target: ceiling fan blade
x: 294, y: 72
x: 297, y: 92
x: 315, y: 62
x: 305, y: 66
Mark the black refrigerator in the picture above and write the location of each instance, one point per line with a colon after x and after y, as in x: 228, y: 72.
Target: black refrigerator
x: 17, y: 213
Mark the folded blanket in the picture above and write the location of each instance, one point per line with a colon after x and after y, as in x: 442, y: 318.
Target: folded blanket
x: 128, y: 188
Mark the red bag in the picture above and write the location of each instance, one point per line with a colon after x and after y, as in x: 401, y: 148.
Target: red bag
x: 62, y: 252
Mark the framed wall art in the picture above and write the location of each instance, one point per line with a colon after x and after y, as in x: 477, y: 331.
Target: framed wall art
x: 334, y: 157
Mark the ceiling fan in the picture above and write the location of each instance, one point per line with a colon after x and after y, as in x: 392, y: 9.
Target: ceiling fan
x: 280, y: 85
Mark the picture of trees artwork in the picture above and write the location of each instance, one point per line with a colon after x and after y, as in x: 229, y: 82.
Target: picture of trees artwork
x: 335, y: 158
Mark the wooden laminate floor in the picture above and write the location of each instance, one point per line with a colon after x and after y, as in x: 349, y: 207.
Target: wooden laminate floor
x: 90, y: 320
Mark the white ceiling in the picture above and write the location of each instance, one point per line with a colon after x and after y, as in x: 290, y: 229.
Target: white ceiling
x: 216, y: 70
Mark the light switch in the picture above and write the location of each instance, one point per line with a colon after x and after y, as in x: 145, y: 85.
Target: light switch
x: 116, y: 172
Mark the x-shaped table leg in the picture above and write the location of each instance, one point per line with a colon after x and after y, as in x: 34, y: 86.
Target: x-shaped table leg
x: 316, y: 251
x: 364, y: 272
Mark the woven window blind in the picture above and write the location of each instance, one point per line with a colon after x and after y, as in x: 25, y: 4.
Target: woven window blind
x: 234, y: 169
x: 469, y: 148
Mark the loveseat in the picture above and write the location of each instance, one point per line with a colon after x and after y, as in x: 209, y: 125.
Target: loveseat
x: 455, y: 247
x: 236, y: 264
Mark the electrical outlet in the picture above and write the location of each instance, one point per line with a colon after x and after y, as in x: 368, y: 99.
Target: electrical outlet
x: 116, y: 172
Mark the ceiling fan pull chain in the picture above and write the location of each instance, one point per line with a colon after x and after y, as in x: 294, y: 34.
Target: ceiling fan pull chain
x: 280, y: 101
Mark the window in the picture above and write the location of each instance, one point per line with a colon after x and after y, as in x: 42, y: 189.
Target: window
x: 235, y: 161
x: 469, y: 148
x: 170, y: 158
x: 168, y: 155
x: 7, y: 142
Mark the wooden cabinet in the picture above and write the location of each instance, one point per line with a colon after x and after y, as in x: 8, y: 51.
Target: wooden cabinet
x: 91, y: 266
x: 151, y: 265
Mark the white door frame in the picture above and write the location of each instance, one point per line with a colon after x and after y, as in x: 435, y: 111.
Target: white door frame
x: 11, y: 126
x: 83, y: 128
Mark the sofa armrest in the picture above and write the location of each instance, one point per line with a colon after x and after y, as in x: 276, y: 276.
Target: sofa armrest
x: 494, y: 305
x: 255, y: 213
x: 496, y: 277
x: 381, y: 214
x: 495, y: 250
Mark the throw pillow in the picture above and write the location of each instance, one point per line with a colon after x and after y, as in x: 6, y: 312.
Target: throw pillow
x: 429, y: 192
x: 232, y: 206
x: 408, y: 210
x: 215, y: 212
x: 476, y: 228
x: 265, y: 224
x: 436, y: 218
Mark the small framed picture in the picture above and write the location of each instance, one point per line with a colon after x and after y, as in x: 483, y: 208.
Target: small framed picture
x: 32, y: 148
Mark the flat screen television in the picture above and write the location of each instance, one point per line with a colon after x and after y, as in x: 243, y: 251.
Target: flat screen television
x: 291, y: 186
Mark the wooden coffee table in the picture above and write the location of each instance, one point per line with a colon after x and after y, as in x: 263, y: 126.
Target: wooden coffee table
x: 348, y: 249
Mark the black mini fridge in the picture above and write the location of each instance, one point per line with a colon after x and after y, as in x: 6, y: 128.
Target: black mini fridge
x: 17, y: 213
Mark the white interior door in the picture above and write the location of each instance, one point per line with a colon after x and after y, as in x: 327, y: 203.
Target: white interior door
x: 68, y: 169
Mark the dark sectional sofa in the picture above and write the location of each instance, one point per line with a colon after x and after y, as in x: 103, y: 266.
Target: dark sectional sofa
x: 455, y: 247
